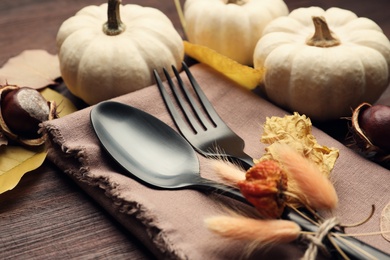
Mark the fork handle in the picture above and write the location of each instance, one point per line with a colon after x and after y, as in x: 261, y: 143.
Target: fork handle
x: 352, y: 247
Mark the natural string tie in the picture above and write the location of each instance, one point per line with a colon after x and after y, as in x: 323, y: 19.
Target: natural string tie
x: 316, y: 240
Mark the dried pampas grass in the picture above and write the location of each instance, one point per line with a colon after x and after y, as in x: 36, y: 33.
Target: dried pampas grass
x: 305, y: 179
x: 258, y: 231
x: 230, y: 173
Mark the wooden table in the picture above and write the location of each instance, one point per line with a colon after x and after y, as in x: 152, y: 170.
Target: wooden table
x: 49, y: 216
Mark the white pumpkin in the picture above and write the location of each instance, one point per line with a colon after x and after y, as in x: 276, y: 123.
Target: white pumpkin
x: 326, y: 68
x: 230, y: 27
x: 100, y: 60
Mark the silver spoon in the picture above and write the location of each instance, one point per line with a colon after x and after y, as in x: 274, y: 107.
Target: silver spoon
x: 156, y: 155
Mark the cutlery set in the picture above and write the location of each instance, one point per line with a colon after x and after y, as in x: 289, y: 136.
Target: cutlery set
x: 158, y: 156
x: 151, y: 150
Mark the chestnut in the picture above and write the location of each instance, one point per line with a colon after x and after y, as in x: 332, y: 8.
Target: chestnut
x: 375, y: 123
x: 22, y: 109
x: 370, y: 131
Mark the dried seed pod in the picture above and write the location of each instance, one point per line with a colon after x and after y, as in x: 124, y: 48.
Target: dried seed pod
x: 264, y: 187
x: 22, y: 110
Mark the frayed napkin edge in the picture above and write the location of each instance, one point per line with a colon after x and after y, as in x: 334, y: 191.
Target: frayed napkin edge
x: 81, y: 174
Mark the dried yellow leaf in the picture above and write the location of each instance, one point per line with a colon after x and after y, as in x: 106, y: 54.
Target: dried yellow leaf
x: 296, y: 131
x: 385, y: 222
x: 15, y: 161
x: 65, y: 106
x: 245, y: 76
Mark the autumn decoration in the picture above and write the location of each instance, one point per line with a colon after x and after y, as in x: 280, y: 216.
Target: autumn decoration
x: 317, y: 63
x: 25, y: 102
x: 231, y: 28
x: 294, y: 172
x: 322, y: 63
x: 110, y: 50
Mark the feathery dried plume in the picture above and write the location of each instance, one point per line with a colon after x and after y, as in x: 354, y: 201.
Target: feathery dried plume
x: 254, y: 230
x: 305, y: 179
x: 230, y: 173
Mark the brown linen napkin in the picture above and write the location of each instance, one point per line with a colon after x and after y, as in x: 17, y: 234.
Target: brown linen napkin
x: 170, y: 223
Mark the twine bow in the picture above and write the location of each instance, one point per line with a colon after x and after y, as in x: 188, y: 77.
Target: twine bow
x: 316, y: 240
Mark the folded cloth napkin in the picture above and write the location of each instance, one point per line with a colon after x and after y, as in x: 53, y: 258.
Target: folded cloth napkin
x: 171, y: 223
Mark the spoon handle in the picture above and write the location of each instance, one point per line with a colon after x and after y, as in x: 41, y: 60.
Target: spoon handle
x: 352, y: 247
x: 219, y: 188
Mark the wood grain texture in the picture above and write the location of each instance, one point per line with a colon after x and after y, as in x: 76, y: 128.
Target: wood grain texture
x: 47, y: 215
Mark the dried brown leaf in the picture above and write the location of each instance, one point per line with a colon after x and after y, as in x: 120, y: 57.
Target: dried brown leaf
x: 385, y: 222
x: 296, y: 131
x: 33, y: 68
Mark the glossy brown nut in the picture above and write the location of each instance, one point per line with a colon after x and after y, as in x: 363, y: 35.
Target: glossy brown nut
x: 22, y: 109
x: 375, y: 123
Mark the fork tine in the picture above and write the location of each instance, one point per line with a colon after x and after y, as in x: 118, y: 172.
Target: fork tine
x: 187, y: 114
x: 207, y: 106
x: 185, y: 128
x: 181, y: 125
x: 193, y: 104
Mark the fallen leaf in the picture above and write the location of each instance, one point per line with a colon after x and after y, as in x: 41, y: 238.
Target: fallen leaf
x: 385, y: 222
x: 245, y: 76
x: 15, y: 161
x: 65, y: 106
x: 32, y: 68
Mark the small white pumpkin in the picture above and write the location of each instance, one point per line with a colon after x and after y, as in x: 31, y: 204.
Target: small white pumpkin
x: 102, y: 57
x: 230, y: 27
x: 325, y: 69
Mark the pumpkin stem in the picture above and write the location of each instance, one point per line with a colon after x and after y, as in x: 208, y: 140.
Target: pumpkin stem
x: 114, y: 25
x: 323, y: 36
x: 237, y: 2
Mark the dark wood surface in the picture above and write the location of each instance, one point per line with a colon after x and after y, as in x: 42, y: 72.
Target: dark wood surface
x: 49, y: 216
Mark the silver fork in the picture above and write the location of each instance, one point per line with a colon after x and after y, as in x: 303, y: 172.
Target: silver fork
x: 210, y: 136
x: 201, y: 125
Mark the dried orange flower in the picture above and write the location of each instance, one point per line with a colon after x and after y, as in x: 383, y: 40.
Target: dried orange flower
x: 264, y: 187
